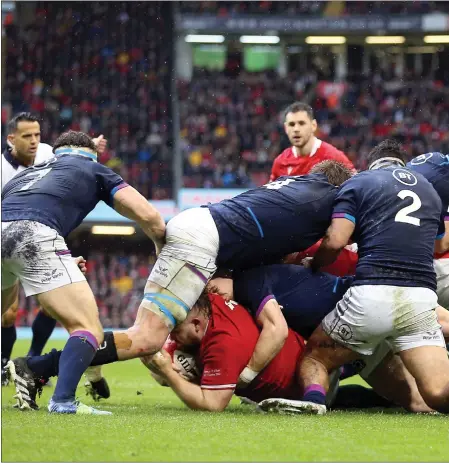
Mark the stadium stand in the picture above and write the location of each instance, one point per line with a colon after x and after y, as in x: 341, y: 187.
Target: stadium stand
x: 103, y: 70
x: 116, y: 83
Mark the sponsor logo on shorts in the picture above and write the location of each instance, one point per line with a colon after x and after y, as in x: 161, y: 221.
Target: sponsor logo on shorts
x: 432, y: 335
x: 51, y: 275
x: 161, y: 271
x: 345, y: 332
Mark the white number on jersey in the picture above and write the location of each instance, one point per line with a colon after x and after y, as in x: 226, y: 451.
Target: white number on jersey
x: 35, y: 177
x: 279, y: 184
x: 231, y: 304
x: 403, y: 214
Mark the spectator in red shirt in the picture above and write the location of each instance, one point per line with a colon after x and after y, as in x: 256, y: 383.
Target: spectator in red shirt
x: 306, y: 150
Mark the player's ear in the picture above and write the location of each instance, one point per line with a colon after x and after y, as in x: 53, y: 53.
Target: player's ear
x: 314, y: 125
x: 11, y: 138
x: 196, y: 322
x: 285, y: 127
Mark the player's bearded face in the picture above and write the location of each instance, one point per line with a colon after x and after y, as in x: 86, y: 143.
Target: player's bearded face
x: 26, y: 139
x: 299, y: 128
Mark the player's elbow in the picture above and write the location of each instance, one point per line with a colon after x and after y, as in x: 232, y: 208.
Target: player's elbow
x: 277, y: 331
x: 442, y: 245
x: 211, y: 405
x: 215, y: 407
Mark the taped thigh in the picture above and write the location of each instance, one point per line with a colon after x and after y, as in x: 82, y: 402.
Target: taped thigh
x: 170, y: 308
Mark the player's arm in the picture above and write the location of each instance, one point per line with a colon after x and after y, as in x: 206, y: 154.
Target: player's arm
x: 271, y: 340
x: 129, y: 203
x: 336, y: 238
x: 342, y: 226
x: 209, y: 397
x: 132, y: 205
x: 197, y: 398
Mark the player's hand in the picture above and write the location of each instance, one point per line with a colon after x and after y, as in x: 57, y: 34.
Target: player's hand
x: 81, y: 262
x: 161, y: 362
x: 100, y: 143
x: 307, y: 262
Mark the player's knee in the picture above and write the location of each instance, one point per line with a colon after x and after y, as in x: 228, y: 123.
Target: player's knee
x: 10, y: 316
x: 437, y: 397
x: 146, y: 342
x: 92, y: 326
x: 97, y: 330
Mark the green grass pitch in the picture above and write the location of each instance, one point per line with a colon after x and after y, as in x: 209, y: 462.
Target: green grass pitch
x: 151, y: 424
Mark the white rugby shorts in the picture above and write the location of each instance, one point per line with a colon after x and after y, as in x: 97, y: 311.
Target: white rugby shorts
x: 442, y: 272
x: 367, y: 315
x: 187, y: 260
x: 37, y: 256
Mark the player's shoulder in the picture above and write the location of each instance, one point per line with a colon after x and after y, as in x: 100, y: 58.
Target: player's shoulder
x: 286, y: 153
x: 429, y: 159
x: 330, y: 150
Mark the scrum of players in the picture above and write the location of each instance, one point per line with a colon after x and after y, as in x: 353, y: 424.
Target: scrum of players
x: 295, y: 329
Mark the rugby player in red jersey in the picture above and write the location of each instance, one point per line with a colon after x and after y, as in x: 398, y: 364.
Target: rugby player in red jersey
x: 306, y: 150
x: 225, y: 335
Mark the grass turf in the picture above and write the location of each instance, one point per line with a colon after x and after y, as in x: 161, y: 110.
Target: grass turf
x: 151, y: 424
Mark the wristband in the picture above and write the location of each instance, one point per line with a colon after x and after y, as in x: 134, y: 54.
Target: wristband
x: 247, y: 375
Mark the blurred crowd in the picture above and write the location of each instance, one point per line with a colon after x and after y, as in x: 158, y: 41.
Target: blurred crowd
x: 232, y: 128
x: 103, y: 70
x: 96, y: 70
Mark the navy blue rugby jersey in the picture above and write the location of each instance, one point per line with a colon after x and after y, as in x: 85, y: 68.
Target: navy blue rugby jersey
x: 264, y: 224
x: 59, y: 193
x: 397, y: 214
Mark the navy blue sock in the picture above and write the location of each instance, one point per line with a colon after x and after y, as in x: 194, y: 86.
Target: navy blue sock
x: 42, y: 328
x: 46, y: 365
x: 315, y: 393
x: 9, y: 337
x: 75, y: 358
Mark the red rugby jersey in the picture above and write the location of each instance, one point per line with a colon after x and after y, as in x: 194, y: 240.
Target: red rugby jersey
x: 289, y: 162
x: 228, y: 345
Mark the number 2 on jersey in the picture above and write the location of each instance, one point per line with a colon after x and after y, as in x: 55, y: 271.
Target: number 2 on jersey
x: 403, y: 214
x: 35, y: 177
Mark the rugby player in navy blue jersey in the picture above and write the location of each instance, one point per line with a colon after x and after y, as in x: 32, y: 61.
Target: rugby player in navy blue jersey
x: 40, y: 207
x: 305, y: 298
x: 24, y: 149
x: 435, y: 167
x: 393, y: 295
